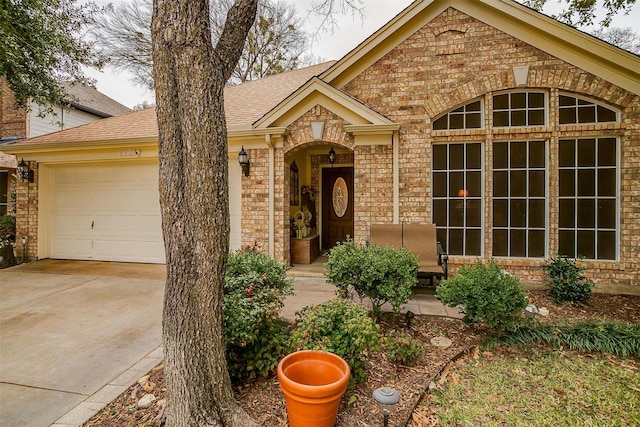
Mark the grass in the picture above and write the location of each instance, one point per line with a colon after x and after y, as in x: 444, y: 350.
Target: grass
x: 539, y: 387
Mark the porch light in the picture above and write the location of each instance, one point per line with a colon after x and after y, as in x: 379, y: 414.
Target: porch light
x: 387, y: 399
x: 332, y: 156
x: 25, y: 173
x: 243, y: 159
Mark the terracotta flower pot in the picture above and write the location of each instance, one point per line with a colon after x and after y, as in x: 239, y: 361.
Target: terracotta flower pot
x: 313, y: 383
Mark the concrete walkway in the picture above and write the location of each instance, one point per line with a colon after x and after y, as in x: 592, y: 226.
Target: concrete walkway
x: 75, y: 334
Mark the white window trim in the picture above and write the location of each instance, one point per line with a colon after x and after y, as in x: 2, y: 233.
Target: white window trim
x: 592, y: 101
x: 527, y: 91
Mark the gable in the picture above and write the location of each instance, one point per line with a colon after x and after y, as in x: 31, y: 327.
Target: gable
x: 530, y: 27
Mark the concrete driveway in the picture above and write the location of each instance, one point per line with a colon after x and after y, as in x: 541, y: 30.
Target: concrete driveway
x: 73, y: 335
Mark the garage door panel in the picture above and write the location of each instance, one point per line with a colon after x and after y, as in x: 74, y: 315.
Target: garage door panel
x: 122, y: 203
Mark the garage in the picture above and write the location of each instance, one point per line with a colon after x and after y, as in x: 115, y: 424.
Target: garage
x: 111, y: 212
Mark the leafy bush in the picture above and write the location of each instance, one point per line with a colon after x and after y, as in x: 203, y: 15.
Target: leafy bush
x: 566, y: 281
x: 404, y: 350
x: 606, y: 337
x: 7, y: 229
x: 254, y: 291
x: 487, y: 294
x: 383, y: 274
x: 341, y: 327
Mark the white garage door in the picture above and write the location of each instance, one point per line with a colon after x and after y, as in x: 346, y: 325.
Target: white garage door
x: 112, y: 213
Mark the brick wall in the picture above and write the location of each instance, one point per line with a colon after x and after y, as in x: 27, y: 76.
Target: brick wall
x: 27, y: 218
x: 12, y: 122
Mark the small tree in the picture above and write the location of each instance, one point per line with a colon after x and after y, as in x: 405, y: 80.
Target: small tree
x: 488, y: 295
x: 381, y: 273
x: 566, y: 280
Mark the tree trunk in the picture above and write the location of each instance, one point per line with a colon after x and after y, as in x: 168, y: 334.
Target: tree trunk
x: 190, y: 76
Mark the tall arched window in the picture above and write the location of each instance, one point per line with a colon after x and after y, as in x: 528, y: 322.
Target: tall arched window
x: 577, y: 110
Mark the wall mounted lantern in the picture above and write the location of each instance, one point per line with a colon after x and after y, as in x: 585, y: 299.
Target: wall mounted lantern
x: 243, y: 159
x: 332, y: 156
x: 25, y: 173
x: 387, y: 399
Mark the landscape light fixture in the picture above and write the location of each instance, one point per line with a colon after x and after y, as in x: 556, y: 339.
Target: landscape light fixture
x: 25, y: 173
x: 243, y: 159
x: 332, y: 156
x: 387, y: 399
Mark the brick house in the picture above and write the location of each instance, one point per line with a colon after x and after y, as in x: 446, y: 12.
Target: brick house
x: 518, y: 136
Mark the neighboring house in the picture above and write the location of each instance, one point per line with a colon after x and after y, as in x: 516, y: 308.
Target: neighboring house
x: 86, y: 105
x: 518, y: 136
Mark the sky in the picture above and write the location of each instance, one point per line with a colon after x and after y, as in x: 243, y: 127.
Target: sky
x: 351, y: 31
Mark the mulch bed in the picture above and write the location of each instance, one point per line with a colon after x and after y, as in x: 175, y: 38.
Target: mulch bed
x: 265, y: 402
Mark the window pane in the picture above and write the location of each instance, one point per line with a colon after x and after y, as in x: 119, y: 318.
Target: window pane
x: 606, y: 182
x: 567, y: 116
x: 586, y: 244
x: 536, y: 118
x: 474, y: 213
x: 567, y: 182
x: 456, y: 183
x: 474, y: 184
x: 587, y: 152
x: 456, y: 156
x: 567, y: 100
x: 567, y: 213
x: 501, y: 102
x: 587, y: 114
x: 474, y: 106
x: 441, y: 123
x: 500, y: 242
x: 518, y: 243
x: 567, y: 155
x: 456, y: 121
x: 607, y: 213
x: 474, y: 121
x: 440, y: 213
x: 456, y: 241
x: 606, y: 245
x: 536, y: 154
x: 536, y: 243
x: 500, y: 155
x: 518, y: 183
x: 473, y: 244
x: 500, y: 213
x: 440, y: 157
x: 518, y: 100
x: 566, y: 243
x: 500, y: 184
x: 586, y: 215
x: 500, y: 118
x: 536, y: 100
x: 441, y: 234
x: 518, y: 154
x: 518, y: 118
x: 518, y: 213
x: 586, y: 182
x: 606, y: 115
x: 607, y: 155
x: 459, y: 110
x: 537, y: 213
x: 439, y: 184
x: 456, y: 213
x: 536, y: 184
x: 474, y: 156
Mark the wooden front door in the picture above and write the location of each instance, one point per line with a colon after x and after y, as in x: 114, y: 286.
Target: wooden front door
x: 337, y: 205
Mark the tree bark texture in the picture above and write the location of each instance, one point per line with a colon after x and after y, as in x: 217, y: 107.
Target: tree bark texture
x: 190, y: 75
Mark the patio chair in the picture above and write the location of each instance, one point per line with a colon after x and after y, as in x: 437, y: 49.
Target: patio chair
x: 421, y: 239
x: 386, y: 235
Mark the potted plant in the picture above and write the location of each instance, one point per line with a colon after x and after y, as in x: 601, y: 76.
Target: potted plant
x: 313, y: 383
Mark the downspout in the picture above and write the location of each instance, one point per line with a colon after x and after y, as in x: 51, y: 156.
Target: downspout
x: 272, y: 213
x: 395, y: 142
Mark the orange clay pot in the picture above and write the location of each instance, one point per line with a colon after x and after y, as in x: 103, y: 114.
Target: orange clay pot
x: 313, y: 383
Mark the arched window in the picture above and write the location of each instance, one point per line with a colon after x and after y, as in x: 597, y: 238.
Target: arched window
x: 575, y: 110
x: 468, y: 116
x: 513, y: 109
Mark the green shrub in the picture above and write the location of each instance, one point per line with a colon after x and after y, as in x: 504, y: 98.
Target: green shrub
x: 605, y: 337
x: 566, y: 281
x: 7, y: 229
x: 341, y: 327
x: 404, y: 350
x: 383, y: 274
x: 486, y: 293
x: 254, y: 291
